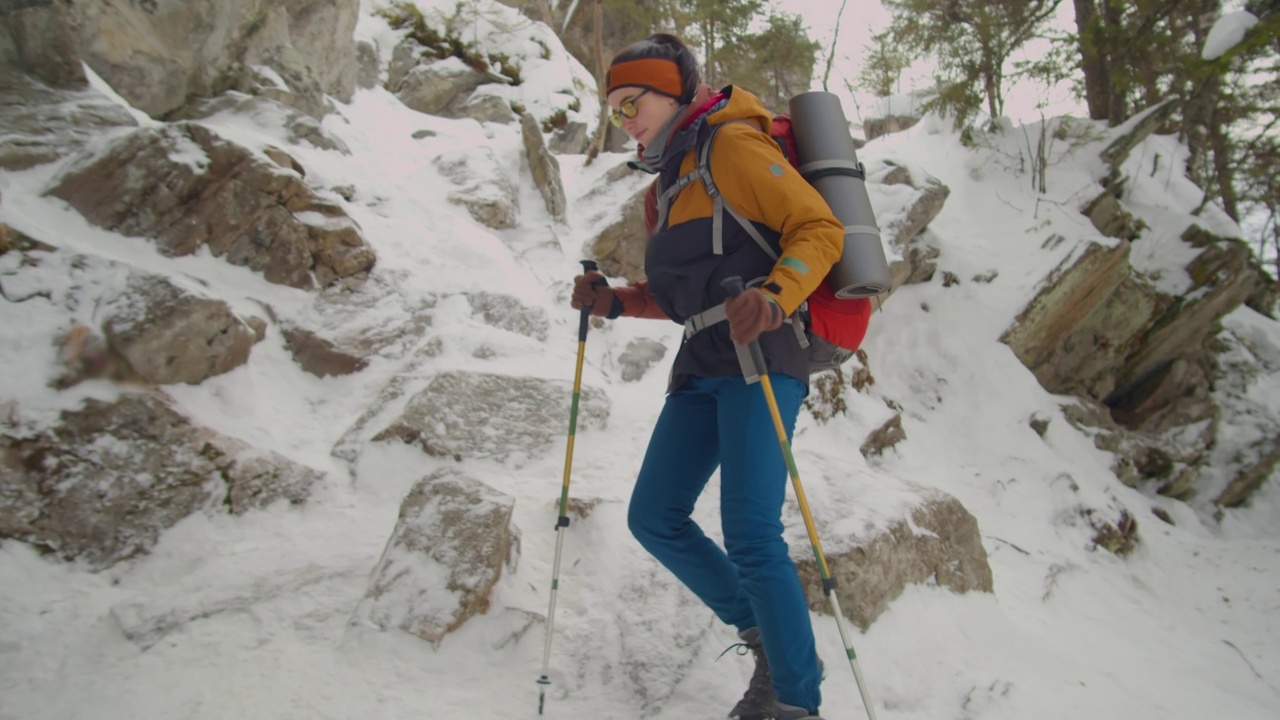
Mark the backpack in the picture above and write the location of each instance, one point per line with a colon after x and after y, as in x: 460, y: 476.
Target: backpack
x: 829, y: 327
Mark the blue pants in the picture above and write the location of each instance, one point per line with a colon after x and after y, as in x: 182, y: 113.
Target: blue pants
x: 752, y: 581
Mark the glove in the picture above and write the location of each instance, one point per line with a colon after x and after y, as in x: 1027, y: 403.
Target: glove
x: 592, y: 290
x: 751, y: 314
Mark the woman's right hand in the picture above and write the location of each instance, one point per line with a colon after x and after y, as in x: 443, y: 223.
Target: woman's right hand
x: 592, y: 290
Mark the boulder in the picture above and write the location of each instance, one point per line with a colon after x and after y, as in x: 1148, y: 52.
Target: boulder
x: 37, y: 39
x: 480, y: 415
x: 187, y: 187
x: 484, y: 188
x: 43, y: 124
x: 448, y: 550
x: 172, y: 335
x: 436, y: 86
x: 544, y: 167
x: 640, y: 355
x: 1051, y: 336
x: 485, y: 107
x: 319, y: 355
x: 1173, y: 360
x: 507, y: 312
x: 162, y: 54
x: 937, y: 543
x: 620, y: 247
x: 879, y: 127
x: 923, y: 207
x: 102, y: 484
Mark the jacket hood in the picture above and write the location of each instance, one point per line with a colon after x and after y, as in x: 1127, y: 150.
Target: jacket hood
x: 741, y: 105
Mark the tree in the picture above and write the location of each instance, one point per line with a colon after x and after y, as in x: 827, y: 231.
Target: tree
x: 972, y: 41
x: 775, y: 63
x: 882, y: 65
x: 718, y: 29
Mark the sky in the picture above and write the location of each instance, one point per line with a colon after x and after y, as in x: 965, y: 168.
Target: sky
x: 1185, y: 627
x: 851, y: 33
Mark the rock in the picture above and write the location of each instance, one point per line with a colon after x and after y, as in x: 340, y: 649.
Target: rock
x: 103, y: 483
x: 38, y: 40
x: 266, y: 111
x: 1065, y: 326
x: 937, y: 543
x: 507, y: 418
x: 1133, y: 131
x: 487, y: 108
x: 368, y: 65
x: 487, y: 192
x: 433, y: 87
x: 319, y: 356
x: 170, y: 335
x: 544, y: 167
x: 146, y: 52
x: 884, y: 437
x: 1110, y: 218
x: 448, y: 550
x: 186, y: 187
x: 922, y: 209
x: 620, y: 247
x: 639, y: 356
x: 507, y: 312
x: 1172, y: 367
x: 879, y: 127
x: 44, y: 124
x: 916, y: 266
x: 572, y: 140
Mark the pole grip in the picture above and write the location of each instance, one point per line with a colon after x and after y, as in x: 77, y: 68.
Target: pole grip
x: 585, y: 317
x: 735, y: 287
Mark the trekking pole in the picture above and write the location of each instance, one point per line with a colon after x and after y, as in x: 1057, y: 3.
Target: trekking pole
x: 735, y: 287
x: 562, y: 522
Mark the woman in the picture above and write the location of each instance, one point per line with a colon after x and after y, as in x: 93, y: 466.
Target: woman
x: 712, y: 415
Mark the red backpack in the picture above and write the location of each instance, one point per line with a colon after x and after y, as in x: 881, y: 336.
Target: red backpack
x: 831, y: 328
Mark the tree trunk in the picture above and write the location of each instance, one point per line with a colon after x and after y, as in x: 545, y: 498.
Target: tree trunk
x: 602, y: 127
x: 1097, y: 80
x: 1209, y: 160
x: 1221, y: 145
x: 1112, y: 37
x: 831, y: 55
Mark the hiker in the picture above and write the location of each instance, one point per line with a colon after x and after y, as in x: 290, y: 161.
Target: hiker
x: 713, y: 416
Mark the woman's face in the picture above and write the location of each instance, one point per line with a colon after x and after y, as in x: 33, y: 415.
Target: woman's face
x: 652, y: 112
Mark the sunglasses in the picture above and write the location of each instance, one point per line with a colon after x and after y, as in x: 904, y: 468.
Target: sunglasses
x: 627, y: 109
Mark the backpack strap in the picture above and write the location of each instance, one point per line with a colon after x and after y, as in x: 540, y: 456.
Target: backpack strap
x: 702, y: 171
x: 713, y: 315
x: 664, y: 200
x: 718, y: 201
x: 703, y: 320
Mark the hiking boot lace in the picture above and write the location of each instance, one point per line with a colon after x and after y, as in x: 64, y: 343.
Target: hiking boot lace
x: 758, y: 701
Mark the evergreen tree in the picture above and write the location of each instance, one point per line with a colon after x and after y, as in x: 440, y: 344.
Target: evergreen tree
x: 882, y: 66
x: 718, y: 30
x: 775, y: 63
x: 972, y: 41
x: 1138, y: 52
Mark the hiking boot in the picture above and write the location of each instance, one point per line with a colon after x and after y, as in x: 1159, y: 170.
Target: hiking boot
x: 759, y: 702
x: 791, y: 712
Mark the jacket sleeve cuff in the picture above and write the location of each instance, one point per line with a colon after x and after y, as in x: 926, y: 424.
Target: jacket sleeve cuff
x: 615, y: 308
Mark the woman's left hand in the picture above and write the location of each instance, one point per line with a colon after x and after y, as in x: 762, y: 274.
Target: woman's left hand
x: 751, y: 314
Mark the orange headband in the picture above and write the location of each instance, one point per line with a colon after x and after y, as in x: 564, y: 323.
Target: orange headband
x: 662, y: 76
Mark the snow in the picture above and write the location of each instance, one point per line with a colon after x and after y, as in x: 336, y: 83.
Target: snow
x: 256, y: 610
x: 1226, y: 32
